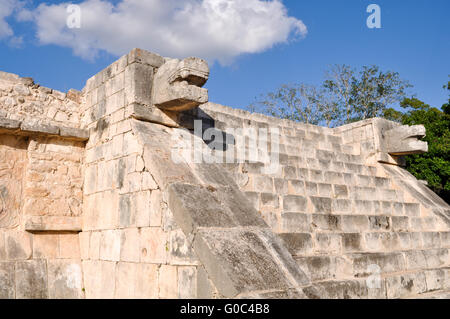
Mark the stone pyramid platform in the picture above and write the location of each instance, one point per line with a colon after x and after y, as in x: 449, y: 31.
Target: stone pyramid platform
x: 138, y: 187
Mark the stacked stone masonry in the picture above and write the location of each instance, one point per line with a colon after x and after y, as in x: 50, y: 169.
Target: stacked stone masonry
x: 93, y: 203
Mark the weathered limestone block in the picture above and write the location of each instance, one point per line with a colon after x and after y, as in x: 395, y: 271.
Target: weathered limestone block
x: 46, y: 246
x: 404, y: 140
x: 298, y: 243
x: 321, y: 267
x: 9, y: 124
x: 168, y: 282
x: 240, y: 261
x: 346, y: 289
x: 52, y: 223
x: 180, y: 250
x: 99, y: 279
x: 405, y: 285
x: 187, y: 282
x: 177, y: 84
x: 13, y: 159
x: 212, y: 211
x: 153, y: 245
x: 31, y: 279
x: 65, y: 279
x: 388, y: 262
x: 7, y: 283
x: 18, y: 245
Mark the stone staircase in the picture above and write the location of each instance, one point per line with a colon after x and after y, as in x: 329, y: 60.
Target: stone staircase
x: 344, y: 222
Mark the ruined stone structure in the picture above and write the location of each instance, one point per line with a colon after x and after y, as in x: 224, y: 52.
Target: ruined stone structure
x: 100, y: 197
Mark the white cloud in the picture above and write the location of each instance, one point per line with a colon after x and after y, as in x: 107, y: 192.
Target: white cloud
x: 6, y: 9
x: 212, y: 29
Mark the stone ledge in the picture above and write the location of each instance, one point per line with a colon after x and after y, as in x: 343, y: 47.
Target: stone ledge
x: 36, y: 128
x: 9, y: 124
x: 39, y: 128
x: 52, y: 224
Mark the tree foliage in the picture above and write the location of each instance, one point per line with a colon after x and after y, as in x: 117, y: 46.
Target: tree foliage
x: 344, y: 96
x: 433, y: 166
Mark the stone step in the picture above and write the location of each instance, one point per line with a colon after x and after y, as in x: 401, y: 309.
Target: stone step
x: 418, y: 284
x: 427, y: 284
x: 295, y: 219
x: 289, y: 172
x: 295, y: 157
x: 388, y: 265
x: 310, y: 244
x: 344, y: 289
x: 295, y: 222
x: 440, y: 294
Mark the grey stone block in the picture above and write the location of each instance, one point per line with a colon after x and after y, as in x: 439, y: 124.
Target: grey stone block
x: 436, y: 258
x: 52, y: 223
x: 311, y: 189
x: 326, y: 222
x: 318, y: 268
x: 405, y: 285
x: 145, y: 57
x: 294, y: 203
x: 297, y: 186
x: 39, y: 128
x: 431, y: 240
x: 195, y: 206
x: 241, y: 261
x: 239, y: 207
x: 289, y: 172
x: 31, y: 279
x: 435, y: 279
x: 412, y: 209
x: 138, y: 84
x: 295, y: 222
x: 281, y: 186
x: 276, y: 294
x: 321, y: 204
x: 388, y: 262
x: 269, y: 200
x: 9, y: 124
x: 298, y: 243
x: 363, y: 206
x: 340, y: 191
x: 213, y: 174
x: 341, y: 205
x: 352, y: 242
x: 380, y: 222
x: 7, y: 283
x: 354, y: 223
x: 344, y: 289
x: 75, y: 133
x: 65, y: 279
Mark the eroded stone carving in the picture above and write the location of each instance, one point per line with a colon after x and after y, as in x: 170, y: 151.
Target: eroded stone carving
x: 8, y: 218
x: 405, y: 140
x: 178, y: 84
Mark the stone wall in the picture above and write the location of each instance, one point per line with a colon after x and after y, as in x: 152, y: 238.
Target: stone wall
x: 338, y: 209
x: 129, y: 236
x: 41, y: 185
x: 101, y: 197
x: 21, y: 98
x: 42, y: 151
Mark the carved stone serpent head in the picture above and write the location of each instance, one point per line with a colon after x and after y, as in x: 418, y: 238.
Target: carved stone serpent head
x: 177, y: 85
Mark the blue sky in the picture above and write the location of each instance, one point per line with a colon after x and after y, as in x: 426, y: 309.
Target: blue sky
x: 414, y: 40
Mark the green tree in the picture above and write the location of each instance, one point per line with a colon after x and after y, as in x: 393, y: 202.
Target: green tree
x: 344, y: 96
x: 294, y: 102
x: 373, y: 91
x: 433, y: 166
